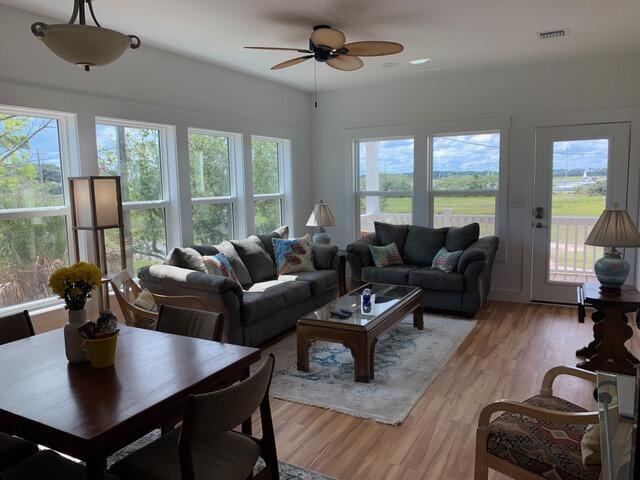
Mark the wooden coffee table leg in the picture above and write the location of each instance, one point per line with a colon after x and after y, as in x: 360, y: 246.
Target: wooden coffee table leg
x: 303, y: 343
x: 362, y: 358
x: 418, y: 318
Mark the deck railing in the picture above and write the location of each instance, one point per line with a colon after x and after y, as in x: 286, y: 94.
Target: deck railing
x: 567, y: 253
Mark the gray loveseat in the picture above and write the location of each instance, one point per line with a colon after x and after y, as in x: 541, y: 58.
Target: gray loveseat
x: 463, y: 291
x: 264, y: 306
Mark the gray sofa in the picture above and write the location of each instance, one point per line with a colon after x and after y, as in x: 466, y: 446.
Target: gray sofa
x: 264, y: 306
x: 463, y: 291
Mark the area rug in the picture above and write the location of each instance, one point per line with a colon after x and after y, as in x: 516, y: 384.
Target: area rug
x: 287, y: 471
x: 406, y: 362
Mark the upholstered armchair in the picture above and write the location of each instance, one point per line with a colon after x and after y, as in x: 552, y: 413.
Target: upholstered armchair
x: 538, y: 439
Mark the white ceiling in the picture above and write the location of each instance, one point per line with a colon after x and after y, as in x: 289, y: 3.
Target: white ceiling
x: 453, y: 33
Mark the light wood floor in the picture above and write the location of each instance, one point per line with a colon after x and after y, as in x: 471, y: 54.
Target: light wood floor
x: 505, y: 356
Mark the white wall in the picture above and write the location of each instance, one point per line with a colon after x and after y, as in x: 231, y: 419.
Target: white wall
x: 530, y: 95
x: 154, y: 86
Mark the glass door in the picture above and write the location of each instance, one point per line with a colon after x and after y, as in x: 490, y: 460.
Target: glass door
x: 580, y: 171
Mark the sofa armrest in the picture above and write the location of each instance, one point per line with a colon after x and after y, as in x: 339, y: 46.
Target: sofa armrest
x: 484, y: 249
x: 218, y: 294
x: 361, y: 249
x: 325, y: 257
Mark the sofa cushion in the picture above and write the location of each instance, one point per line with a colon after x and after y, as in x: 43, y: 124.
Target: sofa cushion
x: 266, y: 298
x: 323, y: 256
x: 461, y: 238
x: 239, y: 267
x: 267, y: 240
x: 205, y: 250
x: 422, y: 244
x: 386, y: 233
x: 188, y: 258
x: 396, y: 275
x: 320, y: 280
x: 257, y: 260
x: 429, y: 278
x: 446, y: 261
x: 544, y: 448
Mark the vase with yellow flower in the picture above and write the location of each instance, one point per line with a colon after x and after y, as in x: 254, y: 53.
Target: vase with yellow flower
x: 74, y: 285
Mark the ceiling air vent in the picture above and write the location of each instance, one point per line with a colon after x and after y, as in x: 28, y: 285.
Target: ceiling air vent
x: 553, y: 34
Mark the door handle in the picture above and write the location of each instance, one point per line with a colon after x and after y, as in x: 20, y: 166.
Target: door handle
x: 538, y: 225
x: 539, y: 212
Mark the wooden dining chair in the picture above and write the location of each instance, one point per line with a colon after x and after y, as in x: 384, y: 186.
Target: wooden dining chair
x: 190, y: 323
x: 48, y: 465
x: 538, y: 439
x: 15, y: 327
x: 127, y: 291
x: 206, y: 446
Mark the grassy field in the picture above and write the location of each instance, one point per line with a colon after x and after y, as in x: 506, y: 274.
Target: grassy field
x: 565, y: 204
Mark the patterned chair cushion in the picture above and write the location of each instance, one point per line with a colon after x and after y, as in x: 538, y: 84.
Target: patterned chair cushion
x: 544, y: 448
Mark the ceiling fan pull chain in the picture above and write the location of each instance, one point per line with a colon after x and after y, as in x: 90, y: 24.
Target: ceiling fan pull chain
x: 315, y: 82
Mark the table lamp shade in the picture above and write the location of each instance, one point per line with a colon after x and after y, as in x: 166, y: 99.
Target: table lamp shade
x: 321, y: 216
x: 614, y: 228
x: 104, y: 193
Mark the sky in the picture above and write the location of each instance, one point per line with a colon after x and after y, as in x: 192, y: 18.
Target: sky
x: 480, y: 153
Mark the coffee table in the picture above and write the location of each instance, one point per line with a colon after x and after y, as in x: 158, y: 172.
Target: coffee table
x: 360, y: 332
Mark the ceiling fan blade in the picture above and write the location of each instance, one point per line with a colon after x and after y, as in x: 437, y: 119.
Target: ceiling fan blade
x: 373, y: 48
x: 301, y: 50
x: 328, y: 37
x: 293, y: 61
x: 347, y: 64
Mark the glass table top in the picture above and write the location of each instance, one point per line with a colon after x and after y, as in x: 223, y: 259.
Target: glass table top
x: 383, y: 298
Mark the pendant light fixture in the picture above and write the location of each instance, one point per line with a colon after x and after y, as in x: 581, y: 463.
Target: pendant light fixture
x: 85, y: 45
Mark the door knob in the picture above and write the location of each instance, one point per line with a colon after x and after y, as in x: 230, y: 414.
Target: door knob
x: 539, y: 225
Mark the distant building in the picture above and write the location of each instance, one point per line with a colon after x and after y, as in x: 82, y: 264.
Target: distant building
x: 587, y: 180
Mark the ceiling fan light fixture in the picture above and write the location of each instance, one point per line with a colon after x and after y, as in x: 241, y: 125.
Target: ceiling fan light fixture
x: 325, y: 36
x: 84, y: 45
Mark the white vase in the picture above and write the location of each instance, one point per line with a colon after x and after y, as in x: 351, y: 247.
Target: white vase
x: 73, y: 343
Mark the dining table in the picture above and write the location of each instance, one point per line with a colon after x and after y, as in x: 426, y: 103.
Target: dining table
x: 90, y: 413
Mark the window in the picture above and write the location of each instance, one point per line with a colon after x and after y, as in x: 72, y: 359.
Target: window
x: 33, y: 212
x: 137, y: 153
x: 268, y: 193
x: 211, y: 166
x: 384, y: 185
x: 465, y: 179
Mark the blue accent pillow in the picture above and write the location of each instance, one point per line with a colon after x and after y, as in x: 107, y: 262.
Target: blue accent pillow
x: 446, y: 261
x: 293, y: 255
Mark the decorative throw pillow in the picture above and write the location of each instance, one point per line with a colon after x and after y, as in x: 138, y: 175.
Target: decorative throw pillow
x: 446, y: 261
x: 590, y: 446
x: 144, y: 301
x: 220, y: 265
x: 239, y: 267
x: 256, y: 258
x: 185, y: 258
x: 294, y: 255
x: 386, y: 256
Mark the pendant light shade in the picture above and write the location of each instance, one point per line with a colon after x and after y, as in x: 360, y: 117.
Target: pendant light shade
x: 81, y: 44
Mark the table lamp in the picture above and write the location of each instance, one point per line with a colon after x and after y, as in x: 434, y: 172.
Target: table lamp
x: 321, y: 217
x: 613, y: 229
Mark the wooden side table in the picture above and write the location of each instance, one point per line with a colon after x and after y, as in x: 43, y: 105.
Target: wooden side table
x: 611, y: 329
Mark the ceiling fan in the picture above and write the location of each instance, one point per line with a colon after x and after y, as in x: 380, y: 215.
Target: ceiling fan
x: 329, y: 45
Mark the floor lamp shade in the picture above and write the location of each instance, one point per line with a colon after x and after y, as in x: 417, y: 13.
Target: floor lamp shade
x: 96, y: 206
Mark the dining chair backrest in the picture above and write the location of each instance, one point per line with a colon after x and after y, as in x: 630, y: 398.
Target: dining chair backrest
x: 126, y: 292
x: 209, y: 415
x: 189, y: 322
x: 15, y: 327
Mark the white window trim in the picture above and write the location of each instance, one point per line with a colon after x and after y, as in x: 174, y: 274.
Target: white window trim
x: 233, y: 140
x: 168, y: 158
x: 67, y: 126
x: 284, y: 180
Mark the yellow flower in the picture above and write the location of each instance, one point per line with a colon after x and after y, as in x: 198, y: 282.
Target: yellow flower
x: 63, y: 279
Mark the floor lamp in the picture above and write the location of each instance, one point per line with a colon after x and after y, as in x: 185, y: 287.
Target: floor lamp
x: 96, y: 206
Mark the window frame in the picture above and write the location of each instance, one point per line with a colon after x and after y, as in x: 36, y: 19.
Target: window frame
x: 282, y: 196
x: 168, y: 158
x: 67, y: 126
x: 360, y: 194
x: 234, y: 156
x: 433, y: 193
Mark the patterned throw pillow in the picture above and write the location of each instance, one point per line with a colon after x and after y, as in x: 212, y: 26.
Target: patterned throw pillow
x: 220, y: 265
x: 293, y: 255
x: 386, y: 256
x: 446, y: 261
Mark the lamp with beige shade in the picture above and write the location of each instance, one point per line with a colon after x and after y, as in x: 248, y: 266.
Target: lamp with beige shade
x: 321, y: 217
x: 613, y: 229
x: 96, y: 206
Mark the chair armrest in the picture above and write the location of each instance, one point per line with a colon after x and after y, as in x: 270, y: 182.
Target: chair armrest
x: 552, y: 374
x: 484, y: 249
x: 539, y: 413
x: 324, y: 256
